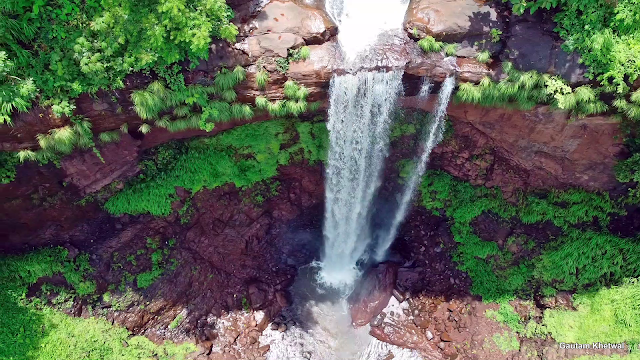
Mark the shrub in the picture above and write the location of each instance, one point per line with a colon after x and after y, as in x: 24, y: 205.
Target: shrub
x: 586, y: 255
x: 8, y: 163
x: 524, y: 90
x: 242, y: 156
x: 608, y: 316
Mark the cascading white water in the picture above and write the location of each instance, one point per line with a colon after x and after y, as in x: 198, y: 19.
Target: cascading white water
x: 432, y: 137
x: 359, y: 121
x: 360, y: 22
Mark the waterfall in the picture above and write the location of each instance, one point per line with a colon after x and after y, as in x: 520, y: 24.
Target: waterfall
x: 361, y: 22
x: 432, y: 137
x: 359, y: 121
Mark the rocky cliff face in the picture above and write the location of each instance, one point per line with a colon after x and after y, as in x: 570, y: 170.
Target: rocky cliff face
x: 243, y: 249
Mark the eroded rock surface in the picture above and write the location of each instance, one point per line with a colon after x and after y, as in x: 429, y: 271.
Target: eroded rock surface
x: 91, y: 173
x: 552, y: 150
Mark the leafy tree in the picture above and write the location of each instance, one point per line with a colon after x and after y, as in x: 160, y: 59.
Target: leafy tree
x: 73, y: 46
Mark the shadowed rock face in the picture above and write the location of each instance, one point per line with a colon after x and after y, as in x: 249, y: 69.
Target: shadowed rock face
x: 548, y: 148
x: 372, y: 295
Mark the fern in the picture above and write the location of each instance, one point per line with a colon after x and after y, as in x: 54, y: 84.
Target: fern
x: 483, y: 56
x: 450, y: 49
x: 430, y: 44
x: 291, y: 89
x: 262, y: 102
x: 229, y: 95
x: 109, y: 136
x: 144, y: 128
x: 262, y: 78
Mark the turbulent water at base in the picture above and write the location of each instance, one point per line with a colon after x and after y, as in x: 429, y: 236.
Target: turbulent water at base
x: 323, y: 330
x: 432, y: 137
x: 359, y: 121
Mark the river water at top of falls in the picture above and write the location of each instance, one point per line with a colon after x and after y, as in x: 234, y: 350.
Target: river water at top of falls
x: 361, y: 22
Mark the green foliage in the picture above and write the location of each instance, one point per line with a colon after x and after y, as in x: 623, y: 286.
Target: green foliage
x: 15, y: 94
x: 176, y: 322
x: 579, y: 259
x: 242, y: 156
x: 524, y: 90
x: 605, y: 33
x: 73, y: 46
x: 506, y: 342
x: 262, y: 78
x: 299, y: 54
x: 430, y: 44
x: 282, y: 65
x: 496, y: 35
x: 109, y: 136
x: 194, y: 106
x: 450, y: 49
x: 483, y: 56
x: 295, y: 102
x: 61, y: 141
x: 608, y: 315
x: 8, y: 163
x: 508, y: 316
x: 29, y: 329
x: 629, y: 171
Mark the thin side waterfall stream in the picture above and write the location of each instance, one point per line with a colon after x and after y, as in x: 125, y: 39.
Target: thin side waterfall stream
x: 432, y: 137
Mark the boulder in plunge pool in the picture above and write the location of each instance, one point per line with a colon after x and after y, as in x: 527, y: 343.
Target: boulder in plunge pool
x: 372, y: 295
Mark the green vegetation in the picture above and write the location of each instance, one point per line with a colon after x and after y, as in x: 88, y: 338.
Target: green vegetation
x: 607, y: 315
x: 32, y: 329
x: 242, y: 156
x: 506, y: 342
x: 262, y: 78
x: 176, y: 322
x: 8, y: 163
x: 61, y: 141
x: 524, y: 90
x: 193, y: 107
x: 430, y: 44
x: 496, y: 35
x: 586, y: 255
x: 508, y: 316
x: 294, y: 104
x: 299, y: 54
x: 15, y: 94
x: 60, y: 49
x: 605, y: 33
x: 483, y: 56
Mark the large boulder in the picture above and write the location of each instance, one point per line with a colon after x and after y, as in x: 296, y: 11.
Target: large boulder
x: 373, y: 293
x: 530, y: 47
x: 313, y: 25
x: 450, y: 20
x: 275, y: 44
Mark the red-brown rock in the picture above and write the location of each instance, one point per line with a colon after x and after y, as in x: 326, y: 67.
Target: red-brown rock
x: 372, y: 295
